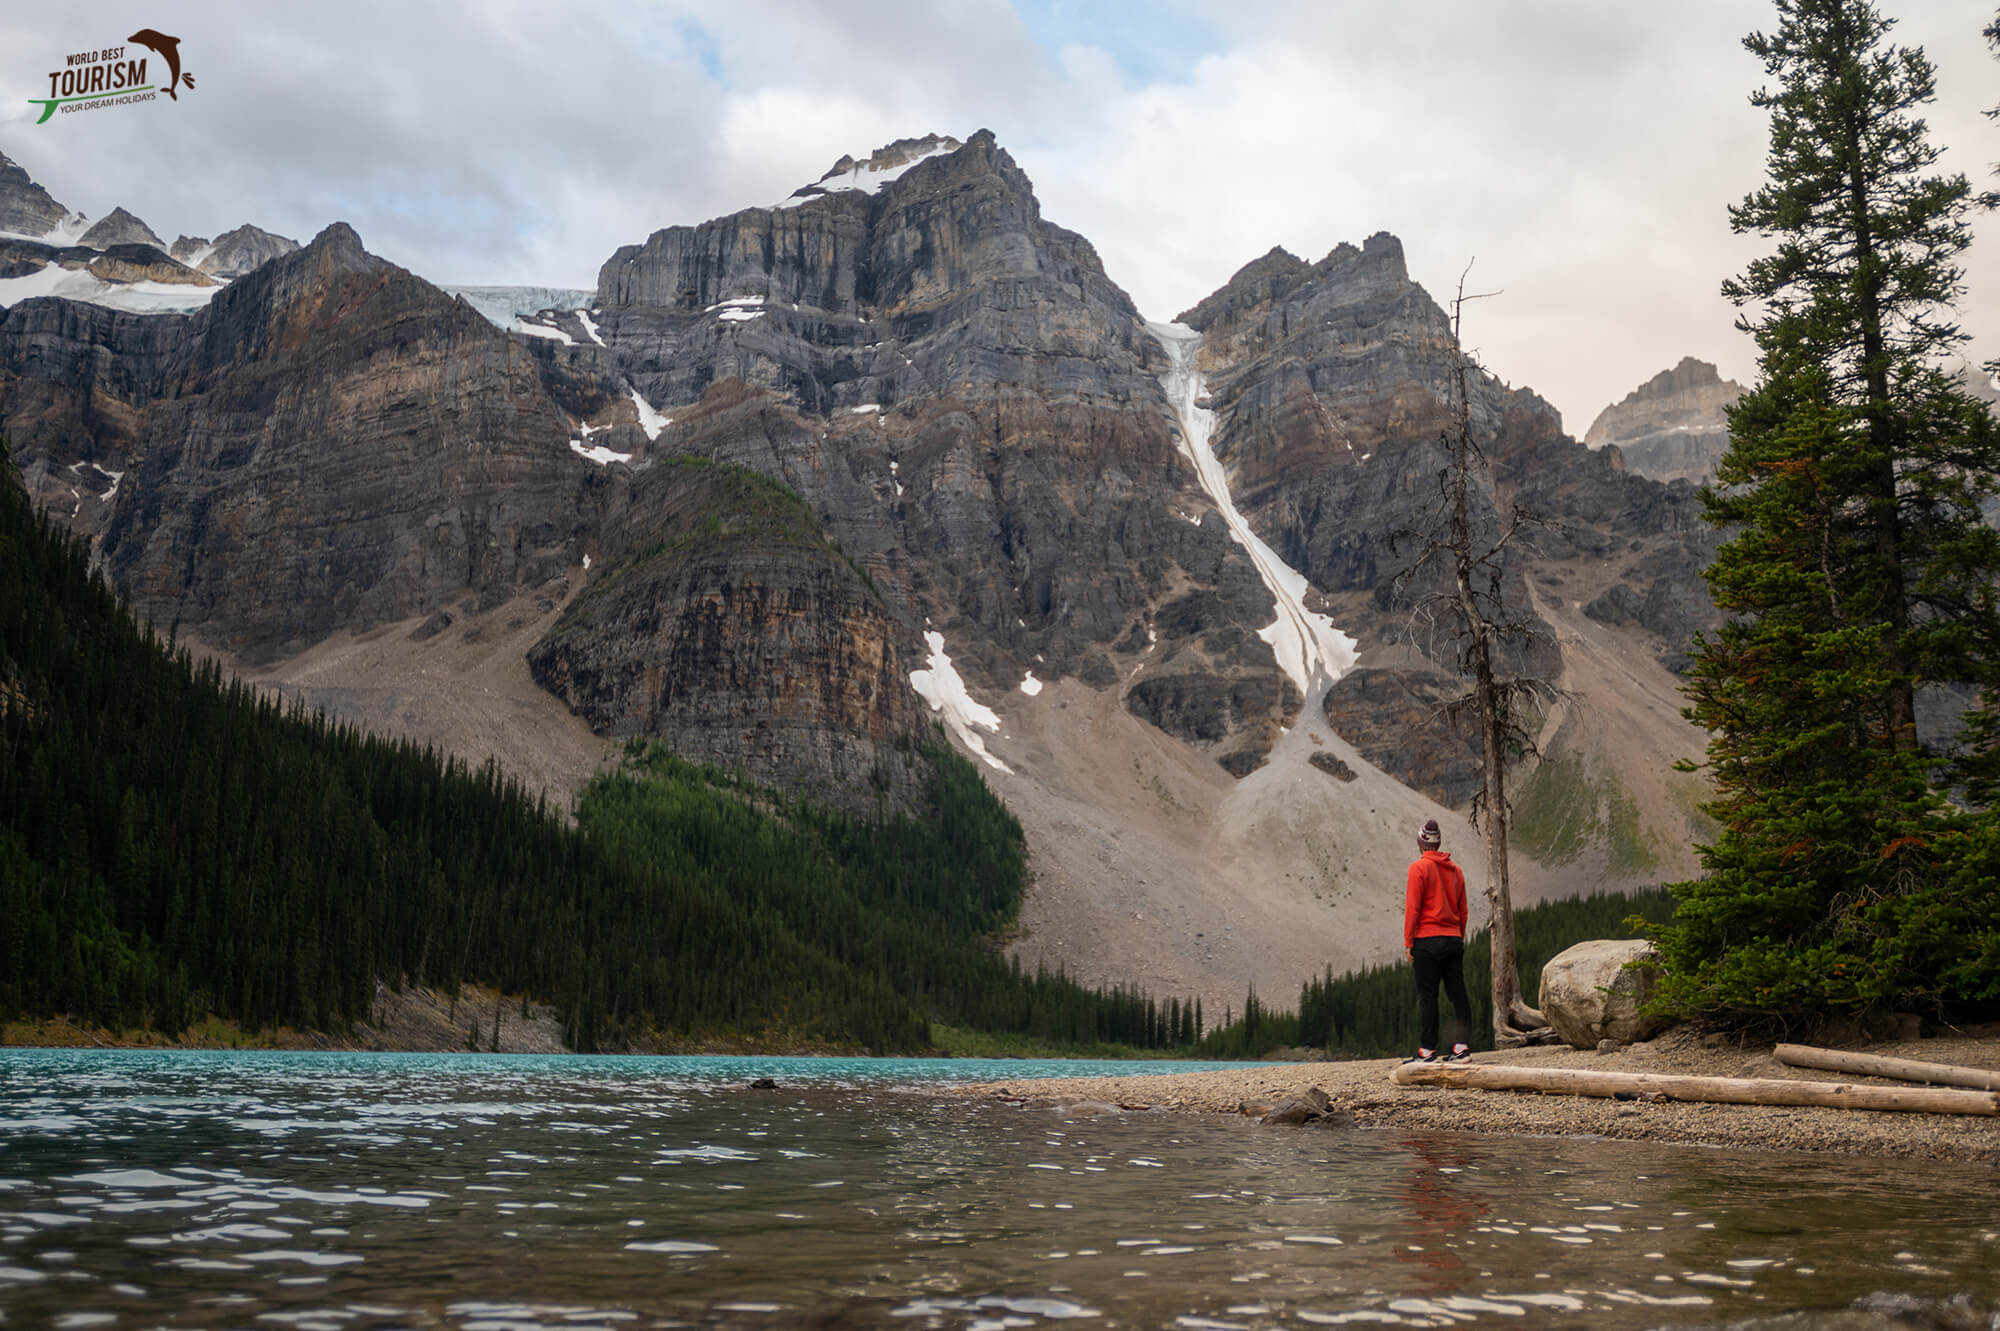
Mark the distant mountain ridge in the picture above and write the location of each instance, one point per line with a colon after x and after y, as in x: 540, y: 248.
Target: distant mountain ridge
x: 1673, y: 426
x: 117, y: 260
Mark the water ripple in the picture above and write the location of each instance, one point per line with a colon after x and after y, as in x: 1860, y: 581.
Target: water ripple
x: 483, y: 1192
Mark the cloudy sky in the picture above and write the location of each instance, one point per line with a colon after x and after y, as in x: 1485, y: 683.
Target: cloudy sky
x: 1581, y: 151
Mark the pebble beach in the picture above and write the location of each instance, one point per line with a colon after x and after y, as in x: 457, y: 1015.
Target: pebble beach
x: 1363, y: 1097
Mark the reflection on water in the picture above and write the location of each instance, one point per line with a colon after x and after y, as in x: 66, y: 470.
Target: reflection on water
x: 490, y: 1193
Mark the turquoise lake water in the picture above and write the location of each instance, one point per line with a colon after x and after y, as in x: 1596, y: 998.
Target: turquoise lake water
x: 499, y: 1193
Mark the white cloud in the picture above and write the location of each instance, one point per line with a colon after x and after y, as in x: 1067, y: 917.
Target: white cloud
x: 1585, y: 153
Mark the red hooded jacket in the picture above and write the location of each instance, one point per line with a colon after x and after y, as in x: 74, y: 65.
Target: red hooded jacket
x: 1434, y: 899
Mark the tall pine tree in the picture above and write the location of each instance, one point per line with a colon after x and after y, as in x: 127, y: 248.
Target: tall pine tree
x: 1860, y: 578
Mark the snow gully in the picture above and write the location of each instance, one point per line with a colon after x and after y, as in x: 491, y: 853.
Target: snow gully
x: 1307, y: 646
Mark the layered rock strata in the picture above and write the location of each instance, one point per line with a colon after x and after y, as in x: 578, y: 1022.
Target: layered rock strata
x: 973, y: 409
x: 1334, y: 383
x: 119, y: 227
x: 730, y: 627
x: 26, y: 208
x: 1674, y: 426
x: 244, y: 250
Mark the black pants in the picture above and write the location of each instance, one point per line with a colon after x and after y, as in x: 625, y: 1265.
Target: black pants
x: 1441, y: 959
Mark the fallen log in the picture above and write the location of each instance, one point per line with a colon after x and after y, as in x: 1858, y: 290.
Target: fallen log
x: 1880, y: 1065
x: 1713, y: 1090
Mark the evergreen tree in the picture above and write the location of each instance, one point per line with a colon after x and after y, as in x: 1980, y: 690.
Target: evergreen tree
x: 1860, y: 576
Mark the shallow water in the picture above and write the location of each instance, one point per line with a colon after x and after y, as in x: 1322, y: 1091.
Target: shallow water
x: 490, y: 1192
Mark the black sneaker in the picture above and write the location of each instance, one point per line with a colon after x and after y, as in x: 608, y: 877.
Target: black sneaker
x: 1423, y: 1056
x: 1459, y: 1054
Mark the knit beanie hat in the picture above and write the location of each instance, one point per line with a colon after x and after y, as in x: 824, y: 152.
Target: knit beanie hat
x: 1430, y: 836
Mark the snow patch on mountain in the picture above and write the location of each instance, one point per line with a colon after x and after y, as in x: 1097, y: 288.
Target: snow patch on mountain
x: 541, y: 330
x: 501, y: 306
x: 652, y: 422
x: 867, y: 176
x: 1306, y: 644
x: 597, y: 453
x: 941, y: 687
x: 81, y: 284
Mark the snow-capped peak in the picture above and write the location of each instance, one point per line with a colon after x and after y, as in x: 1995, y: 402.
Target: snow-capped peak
x: 871, y: 173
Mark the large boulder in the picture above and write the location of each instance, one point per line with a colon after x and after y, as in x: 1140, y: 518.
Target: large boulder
x: 1591, y: 992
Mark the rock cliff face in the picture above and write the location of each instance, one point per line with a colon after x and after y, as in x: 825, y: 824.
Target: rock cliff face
x: 1673, y: 426
x: 244, y: 250
x: 382, y: 451
x: 75, y: 383
x: 25, y: 207
x: 334, y: 445
x: 1331, y: 382
x: 145, y: 263
x: 119, y: 227
x: 973, y: 408
x: 729, y: 626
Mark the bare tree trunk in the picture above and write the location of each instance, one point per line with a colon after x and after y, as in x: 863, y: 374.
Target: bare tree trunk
x: 1512, y: 1017
x: 1711, y: 1090
x: 1876, y: 1065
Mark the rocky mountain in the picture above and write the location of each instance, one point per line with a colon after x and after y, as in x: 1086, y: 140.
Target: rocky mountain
x: 1331, y: 384
x: 733, y: 629
x: 119, y: 227
x: 1673, y: 426
x: 242, y: 251
x: 26, y: 209
x: 968, y: 402
x: 116, y: 261
x: 794, y: 482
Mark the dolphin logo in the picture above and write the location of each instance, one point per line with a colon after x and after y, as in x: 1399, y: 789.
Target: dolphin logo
x: 169, y: 50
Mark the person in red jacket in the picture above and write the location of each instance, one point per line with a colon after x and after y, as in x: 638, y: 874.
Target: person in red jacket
x: 1434, y: 940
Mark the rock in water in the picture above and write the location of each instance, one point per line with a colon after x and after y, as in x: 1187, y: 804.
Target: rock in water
x: 1589, y: 995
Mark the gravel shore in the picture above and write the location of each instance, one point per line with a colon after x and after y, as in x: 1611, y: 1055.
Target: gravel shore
x: 1364, y: 1097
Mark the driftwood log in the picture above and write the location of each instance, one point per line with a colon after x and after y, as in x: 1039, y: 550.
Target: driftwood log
x: 1878, y: 1065
x: 1714, y: 1090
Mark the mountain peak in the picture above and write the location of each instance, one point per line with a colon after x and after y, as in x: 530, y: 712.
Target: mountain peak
x: 867, y: 175
x: 248, y: 248
x: 339, y: 240
x: 25, y: 207
x: 119, y: 227
x: 1672, y: 427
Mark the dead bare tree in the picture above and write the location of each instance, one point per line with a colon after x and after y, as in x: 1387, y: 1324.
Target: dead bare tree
x: 1465, y: 555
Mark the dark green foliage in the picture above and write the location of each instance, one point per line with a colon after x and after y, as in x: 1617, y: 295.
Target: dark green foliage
x: 898, y: 907
x: 173, y: 845
x: 1372, y: 1013
x: 1860, y: 573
